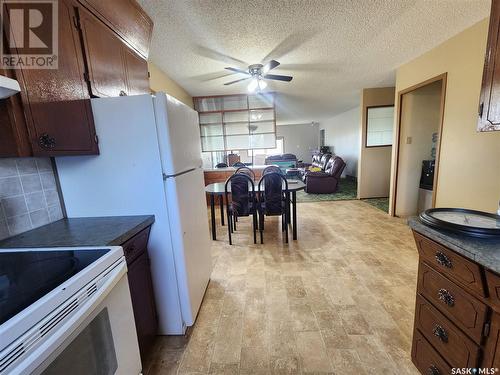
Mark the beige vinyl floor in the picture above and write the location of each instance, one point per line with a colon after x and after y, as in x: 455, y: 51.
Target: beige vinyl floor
x: 340, y: 300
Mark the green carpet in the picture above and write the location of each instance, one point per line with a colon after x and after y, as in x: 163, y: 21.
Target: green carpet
x: 347, y: 191
x: 380, y: 203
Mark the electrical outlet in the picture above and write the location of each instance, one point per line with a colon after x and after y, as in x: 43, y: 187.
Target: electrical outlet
x: 408, y: 140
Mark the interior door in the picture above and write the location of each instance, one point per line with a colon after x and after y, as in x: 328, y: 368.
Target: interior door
x: 489, y: 104
x: 137, y: 73
x: 60, y: 122
x: 104, y: 55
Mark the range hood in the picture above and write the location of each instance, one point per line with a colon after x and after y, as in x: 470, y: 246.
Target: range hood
x: 8, y: 87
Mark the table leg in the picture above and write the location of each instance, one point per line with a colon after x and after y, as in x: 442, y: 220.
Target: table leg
x: 221, y: 203
x: 212, y: 216
x: 294, y: 214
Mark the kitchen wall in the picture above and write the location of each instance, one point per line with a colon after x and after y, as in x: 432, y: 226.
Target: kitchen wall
x: 374, y: 170
x: 469, y: 171
x: 160, y: 81
x: 420, y: 115
x: 300, y: 139
x: 28, y: 195
x: 342, y: 134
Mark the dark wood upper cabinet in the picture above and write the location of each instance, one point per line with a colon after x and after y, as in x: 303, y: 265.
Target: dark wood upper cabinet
x: 104, y: 55
x: 102, y: 50
x: 56, y: 101
x: 137, y: 73
x: 127, y: 19
x: 489, y: 103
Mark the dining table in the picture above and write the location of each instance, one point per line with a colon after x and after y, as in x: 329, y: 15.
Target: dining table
x: 218, y: 189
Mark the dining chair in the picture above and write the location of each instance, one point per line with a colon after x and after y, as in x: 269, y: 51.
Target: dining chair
x: 245, y: 170
x: 221, y: 165
x: 273, y: 201
x: 242, y: 202
x: 238, y: 164
x: 272, y: 169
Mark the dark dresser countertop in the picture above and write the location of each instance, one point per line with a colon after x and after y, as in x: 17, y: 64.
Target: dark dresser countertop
x: 84, y: 231
x: 485, y: 251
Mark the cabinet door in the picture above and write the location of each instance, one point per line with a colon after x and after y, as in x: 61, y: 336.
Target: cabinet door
x: 104, y: 56
x: 127, y: 19
x: 492, y: 345
x: 143, y: 302
x: 137, y: 73
x: 489, y: 103
x: 56, y: 101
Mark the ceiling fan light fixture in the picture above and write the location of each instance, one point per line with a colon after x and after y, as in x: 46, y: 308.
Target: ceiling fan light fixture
x: 253, y: 85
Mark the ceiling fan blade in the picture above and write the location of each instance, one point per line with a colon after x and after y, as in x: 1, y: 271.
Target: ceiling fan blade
x: 270, y: 65
x: 278, y: 77
x: 238, y: 80
x: 237, y: 70
x: 217, y: 56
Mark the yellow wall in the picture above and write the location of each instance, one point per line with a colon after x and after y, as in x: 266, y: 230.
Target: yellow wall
x: 469, y: 171
x: 159, y: 81
x: 374, y: 170
x: 420, y: 115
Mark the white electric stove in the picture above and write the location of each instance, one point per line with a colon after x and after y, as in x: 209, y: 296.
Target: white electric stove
x: 66, y: 311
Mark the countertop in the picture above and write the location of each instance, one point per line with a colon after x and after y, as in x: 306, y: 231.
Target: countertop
x: 485, y: 251
x: 85, y: 231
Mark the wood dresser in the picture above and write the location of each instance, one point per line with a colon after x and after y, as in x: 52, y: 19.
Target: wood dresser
x: 457, y: 310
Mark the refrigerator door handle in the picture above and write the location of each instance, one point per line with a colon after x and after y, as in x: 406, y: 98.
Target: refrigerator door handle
x: 165, y: 176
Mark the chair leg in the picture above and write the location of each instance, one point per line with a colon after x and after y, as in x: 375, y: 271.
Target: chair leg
x: 229, y: 227
x: 235, y: 220
x: 286, y: 228
x: 254, y: 227
x: 261, y: 227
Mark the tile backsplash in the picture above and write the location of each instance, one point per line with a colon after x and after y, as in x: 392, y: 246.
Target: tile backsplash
x: 28, y: 195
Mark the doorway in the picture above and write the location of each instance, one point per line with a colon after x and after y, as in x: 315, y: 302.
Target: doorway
x: 420, y: 122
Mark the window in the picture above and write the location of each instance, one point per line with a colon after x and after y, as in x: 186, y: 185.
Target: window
x: 236, y: 122
x: 379, y: 126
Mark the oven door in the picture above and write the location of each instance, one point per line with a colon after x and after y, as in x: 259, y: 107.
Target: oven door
x: 105, y: 343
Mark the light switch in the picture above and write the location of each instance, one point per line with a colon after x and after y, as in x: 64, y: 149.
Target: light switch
x: 408, y: 140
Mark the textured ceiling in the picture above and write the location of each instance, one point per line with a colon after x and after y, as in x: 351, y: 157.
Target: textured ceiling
x: 333, y: 48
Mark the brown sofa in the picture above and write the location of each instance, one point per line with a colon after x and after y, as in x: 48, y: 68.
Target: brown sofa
x: 327, y: 181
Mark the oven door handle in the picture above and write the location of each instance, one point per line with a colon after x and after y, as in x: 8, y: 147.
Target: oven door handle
x: 32, y: 363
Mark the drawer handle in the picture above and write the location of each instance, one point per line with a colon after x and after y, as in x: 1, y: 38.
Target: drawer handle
x: 443, y: 260
x: 440, y: 332
x: 446, y: 297
x: 433, y: 370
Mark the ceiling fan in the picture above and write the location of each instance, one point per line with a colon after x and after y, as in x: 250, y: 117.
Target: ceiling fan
x: 258, y: 73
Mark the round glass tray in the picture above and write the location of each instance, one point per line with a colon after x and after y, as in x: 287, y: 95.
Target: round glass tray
x: 463, y: 221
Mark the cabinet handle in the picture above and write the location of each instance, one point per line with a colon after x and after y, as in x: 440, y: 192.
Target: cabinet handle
x: 46, y: 141
x: 433, y: 370
x: 446, y: 297
x: 440, y: 332
x: 443, y: 260
x: 123, y: 93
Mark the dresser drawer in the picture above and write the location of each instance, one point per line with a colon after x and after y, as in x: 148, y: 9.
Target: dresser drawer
x: 455, y: 303
x: 136, y: 245
x: 444, y: 336
x: 450, y: 263
x: 426, y: 359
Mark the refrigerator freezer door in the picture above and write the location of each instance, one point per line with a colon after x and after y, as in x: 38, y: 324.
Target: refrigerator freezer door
x: 178, y: 135
x: 187, y: 210
x: 126, y: 179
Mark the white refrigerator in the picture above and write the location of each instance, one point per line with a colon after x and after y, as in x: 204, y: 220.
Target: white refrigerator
x: 150, y: 163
